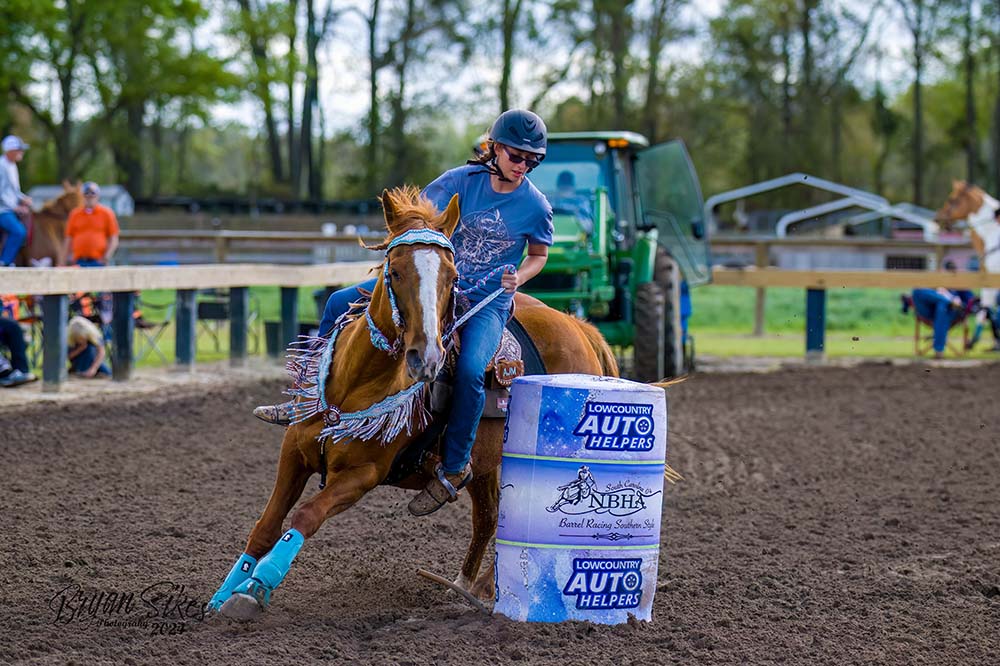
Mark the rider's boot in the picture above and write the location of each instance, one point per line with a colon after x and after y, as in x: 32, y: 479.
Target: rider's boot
x: 240, y: 572
x: 254, y: 594
x: 280, y: 414
x: 440, y: 490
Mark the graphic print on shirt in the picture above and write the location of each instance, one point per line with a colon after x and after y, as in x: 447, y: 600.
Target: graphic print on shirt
x: 479, y: 240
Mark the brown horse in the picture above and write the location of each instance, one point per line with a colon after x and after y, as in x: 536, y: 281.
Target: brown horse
x: 361, y: 374
x: 45, y: 244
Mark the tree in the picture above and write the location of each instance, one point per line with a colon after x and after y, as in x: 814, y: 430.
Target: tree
x: 424, y: 28
x: 49, y: 35
x: 316, y: 32
x: 136, y: 54
x: 258, y: 25
x: 969, y: 61
x: 921, y: 19
x: 659, y: 30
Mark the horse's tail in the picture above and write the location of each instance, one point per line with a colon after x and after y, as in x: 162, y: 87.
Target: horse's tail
x: 609, y: 364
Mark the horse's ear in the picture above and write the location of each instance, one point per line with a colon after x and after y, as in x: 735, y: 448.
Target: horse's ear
x: 448, y: 220
x: 388, y: 211
x: 67, y: 185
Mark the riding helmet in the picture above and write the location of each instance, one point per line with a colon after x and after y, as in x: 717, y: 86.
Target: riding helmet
x: 520, y: 129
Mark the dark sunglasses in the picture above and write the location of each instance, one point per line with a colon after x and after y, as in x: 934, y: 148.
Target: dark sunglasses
x: 517, y: 159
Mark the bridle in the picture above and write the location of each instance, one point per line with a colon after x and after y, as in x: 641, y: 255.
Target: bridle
x: 411, y: 237
x: 451, y: 324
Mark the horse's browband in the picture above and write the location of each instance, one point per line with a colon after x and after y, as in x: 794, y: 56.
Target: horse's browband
x: 421, y: 236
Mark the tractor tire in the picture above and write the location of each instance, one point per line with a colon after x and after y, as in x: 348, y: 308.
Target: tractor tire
x: 648, y: 346
x: 668, y: 278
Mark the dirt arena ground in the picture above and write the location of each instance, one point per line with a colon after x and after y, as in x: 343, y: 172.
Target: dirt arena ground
x: 827, y: 516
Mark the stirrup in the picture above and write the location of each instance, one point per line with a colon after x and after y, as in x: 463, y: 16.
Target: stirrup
x: 280, y: 414
x: 438, y: 492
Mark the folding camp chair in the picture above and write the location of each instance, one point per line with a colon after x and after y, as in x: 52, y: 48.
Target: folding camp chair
x: 151, y: 321
x: 29, y: 315
x: 213, y: 316
x: 923, y: 343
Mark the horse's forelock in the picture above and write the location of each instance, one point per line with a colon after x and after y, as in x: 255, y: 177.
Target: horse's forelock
x: 412, y: 211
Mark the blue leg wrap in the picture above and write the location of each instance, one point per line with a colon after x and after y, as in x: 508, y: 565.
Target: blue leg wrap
x: 240, y: 572
x: 271, y: 570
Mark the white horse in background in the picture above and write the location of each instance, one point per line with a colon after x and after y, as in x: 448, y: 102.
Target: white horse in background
x: 969, y: 202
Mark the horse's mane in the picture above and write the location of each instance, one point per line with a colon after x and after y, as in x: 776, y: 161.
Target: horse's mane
x: 59, y: 205
x: 412, y: 211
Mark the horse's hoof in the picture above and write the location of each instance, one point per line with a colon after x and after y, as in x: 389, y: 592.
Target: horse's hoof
x: 241, y: 607
x: 484, y: 589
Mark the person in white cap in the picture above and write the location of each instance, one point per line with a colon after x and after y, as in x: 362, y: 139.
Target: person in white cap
x: 13, y: 202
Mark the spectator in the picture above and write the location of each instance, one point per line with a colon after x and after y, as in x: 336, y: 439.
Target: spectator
x: 943, y: 307
x: 91, y: 232
x: 86, y: 348
x: 13, y: 202
x: 15, y: 371
x: 91, y: 240
x: 568, y: 201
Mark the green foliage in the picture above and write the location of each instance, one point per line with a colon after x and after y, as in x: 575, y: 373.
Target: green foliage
x: 774, y: 86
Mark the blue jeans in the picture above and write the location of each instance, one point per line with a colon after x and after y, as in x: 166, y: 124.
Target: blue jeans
x: 480, y: 336
x: 340, y: 301
x: 16, y: 234
x: 90, y: 263
x: 937, y: 308
x: 85, y: 359
x: 12, y: 337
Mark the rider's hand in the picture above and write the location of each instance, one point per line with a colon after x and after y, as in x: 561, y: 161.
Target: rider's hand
x: 509, y: 282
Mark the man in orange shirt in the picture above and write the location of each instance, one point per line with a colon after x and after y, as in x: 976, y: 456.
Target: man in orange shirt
x: 92, y: 231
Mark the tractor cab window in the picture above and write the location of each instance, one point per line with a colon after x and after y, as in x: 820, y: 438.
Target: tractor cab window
x: 671, y: 202
x: 571, y: 188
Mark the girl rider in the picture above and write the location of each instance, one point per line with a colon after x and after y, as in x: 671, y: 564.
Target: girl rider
x: 502, y: 213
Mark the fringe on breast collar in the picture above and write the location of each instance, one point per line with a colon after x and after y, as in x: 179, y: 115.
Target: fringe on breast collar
x: 311, y: 358
x: 309, y: 363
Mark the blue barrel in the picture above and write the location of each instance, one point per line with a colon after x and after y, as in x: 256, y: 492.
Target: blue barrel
x: 581, y: 491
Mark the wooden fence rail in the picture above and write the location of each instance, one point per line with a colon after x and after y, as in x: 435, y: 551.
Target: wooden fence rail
x: 55, y: 285
x: 223, y: 244
x: 762, y: 254
x: 817, y: 283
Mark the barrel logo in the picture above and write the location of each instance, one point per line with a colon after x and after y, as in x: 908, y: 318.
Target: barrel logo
x: 605, y: 583
x: 616, y: 426
x: 581, y: 495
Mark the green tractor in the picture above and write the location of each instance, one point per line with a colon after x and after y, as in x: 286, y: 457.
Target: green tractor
x: 629, y: 237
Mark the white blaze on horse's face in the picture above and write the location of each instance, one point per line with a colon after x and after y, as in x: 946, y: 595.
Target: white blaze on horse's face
x: 424, y: 308
x: 428, y: 263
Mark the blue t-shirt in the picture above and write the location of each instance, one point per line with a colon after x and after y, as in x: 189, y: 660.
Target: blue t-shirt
x: 495, y: 228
